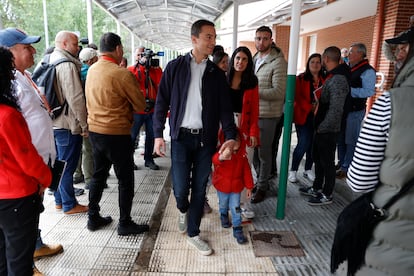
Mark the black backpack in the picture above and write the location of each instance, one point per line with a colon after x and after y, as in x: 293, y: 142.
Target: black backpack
x: 44, y: 76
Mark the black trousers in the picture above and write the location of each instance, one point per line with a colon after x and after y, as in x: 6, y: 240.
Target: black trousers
x: 117, y: 150
x: 19, y: 221
x: 324, y: 145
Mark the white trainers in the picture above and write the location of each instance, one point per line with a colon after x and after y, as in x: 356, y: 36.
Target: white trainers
x: 247, y: 213
x: 200, y: 245
x: 309, y: 175
x: 182, y: 222
x: 292, y: 177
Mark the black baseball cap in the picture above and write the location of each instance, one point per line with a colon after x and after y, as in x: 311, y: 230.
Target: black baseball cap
x: 403, y: 38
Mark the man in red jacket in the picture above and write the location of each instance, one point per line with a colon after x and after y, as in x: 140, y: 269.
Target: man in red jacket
x: 148, y: 77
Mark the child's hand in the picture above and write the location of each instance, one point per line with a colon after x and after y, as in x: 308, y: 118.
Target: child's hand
x: 248, y: 193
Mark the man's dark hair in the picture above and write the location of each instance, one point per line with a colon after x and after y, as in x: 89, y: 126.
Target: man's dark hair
x: 196, y: 27
x: 264, y: 29
x: 109, y: 42
x: 333, y: 53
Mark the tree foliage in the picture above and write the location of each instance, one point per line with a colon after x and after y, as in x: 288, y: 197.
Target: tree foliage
x: 62, y: 15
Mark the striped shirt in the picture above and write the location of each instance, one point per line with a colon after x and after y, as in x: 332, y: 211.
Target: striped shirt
x: 363, y: 173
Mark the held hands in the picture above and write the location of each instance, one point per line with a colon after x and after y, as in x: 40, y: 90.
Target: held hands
x: 159, y: 146
x: 228, y: 145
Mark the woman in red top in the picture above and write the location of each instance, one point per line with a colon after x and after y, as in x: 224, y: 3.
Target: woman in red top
x: 23, y: 178
x: 307, y: 84
x: 244, y: 91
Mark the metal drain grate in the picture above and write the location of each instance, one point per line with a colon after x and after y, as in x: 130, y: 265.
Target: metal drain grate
x: 279, y: 243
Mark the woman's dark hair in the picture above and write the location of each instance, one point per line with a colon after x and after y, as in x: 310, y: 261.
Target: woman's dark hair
x: 218, y: 56
x: 7, y: 96
x: 109, y: 42
x: 307, y: 75
x: 248, y: 79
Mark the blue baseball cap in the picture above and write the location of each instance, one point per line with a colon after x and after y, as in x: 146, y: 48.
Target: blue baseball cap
x: 12, y: 36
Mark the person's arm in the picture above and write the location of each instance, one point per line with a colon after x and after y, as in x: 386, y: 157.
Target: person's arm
x: 26, y: 155
x: 254, y: 117
x: 363, y: 173
x: 368, y: 78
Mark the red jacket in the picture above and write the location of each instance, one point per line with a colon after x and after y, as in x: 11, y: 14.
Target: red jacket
x: 155, y: 78
x: 22, y: 169
x: 303, y: 102
x: 232, y: 176
x: 249, y: 121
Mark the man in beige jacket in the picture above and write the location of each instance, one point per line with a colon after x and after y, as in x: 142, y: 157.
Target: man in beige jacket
x: 112, y: 94
x: 70, y: 125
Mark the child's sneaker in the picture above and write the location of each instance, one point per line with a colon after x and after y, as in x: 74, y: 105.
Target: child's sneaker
x: 239, y: 235
x: 225, y: 222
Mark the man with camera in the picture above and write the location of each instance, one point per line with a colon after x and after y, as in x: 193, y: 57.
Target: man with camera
x: 148, y: 74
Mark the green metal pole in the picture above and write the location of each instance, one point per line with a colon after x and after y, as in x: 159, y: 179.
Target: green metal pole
x: 290, y: 96
x: 287, y: 131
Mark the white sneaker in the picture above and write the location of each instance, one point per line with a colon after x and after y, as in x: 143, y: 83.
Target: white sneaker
x: 292, y: 177
x: 309, y: 175
x: 200, y: 245
x: 247, y: 213
x: 182, y: 222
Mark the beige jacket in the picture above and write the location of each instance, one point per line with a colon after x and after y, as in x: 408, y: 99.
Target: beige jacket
x: 112, y: 95
x: 272, y: 75
x: 69, y: 88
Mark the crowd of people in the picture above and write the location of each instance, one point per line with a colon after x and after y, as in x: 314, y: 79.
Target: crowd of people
x: 221, y: 110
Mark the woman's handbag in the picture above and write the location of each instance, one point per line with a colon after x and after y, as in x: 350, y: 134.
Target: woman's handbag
x: 354, y: 229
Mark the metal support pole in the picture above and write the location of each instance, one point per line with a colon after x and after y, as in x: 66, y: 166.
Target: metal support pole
x: 89, y: 18
x: 290, y: 97
x: 235, y: 24
x: 45, y: 25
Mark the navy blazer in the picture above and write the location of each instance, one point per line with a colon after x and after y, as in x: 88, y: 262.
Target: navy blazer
x: 215, y: 97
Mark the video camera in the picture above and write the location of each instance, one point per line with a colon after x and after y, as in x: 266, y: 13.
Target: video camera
x: 152, y: 62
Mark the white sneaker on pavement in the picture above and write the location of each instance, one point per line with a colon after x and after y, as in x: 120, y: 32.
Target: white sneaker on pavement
x: 247, y: 213
x: 200, y: 245
x: 292, y: 177
x: 309, y: 175
x: 182, y: 222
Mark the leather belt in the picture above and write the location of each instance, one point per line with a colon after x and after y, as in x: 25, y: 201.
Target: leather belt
x: 194, y: 131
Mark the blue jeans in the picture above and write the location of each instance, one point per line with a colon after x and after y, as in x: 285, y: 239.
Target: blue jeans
x: 230, y: 201
x: 68, y: 148
x: 190, y: 167
x: 353, y: 127
x: 305, y: 140
x: 139, y: 120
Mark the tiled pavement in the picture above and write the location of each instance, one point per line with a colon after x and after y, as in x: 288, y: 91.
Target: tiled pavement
x: 164, y: 251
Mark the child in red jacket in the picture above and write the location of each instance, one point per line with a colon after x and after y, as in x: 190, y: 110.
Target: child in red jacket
x: 230, y: 176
